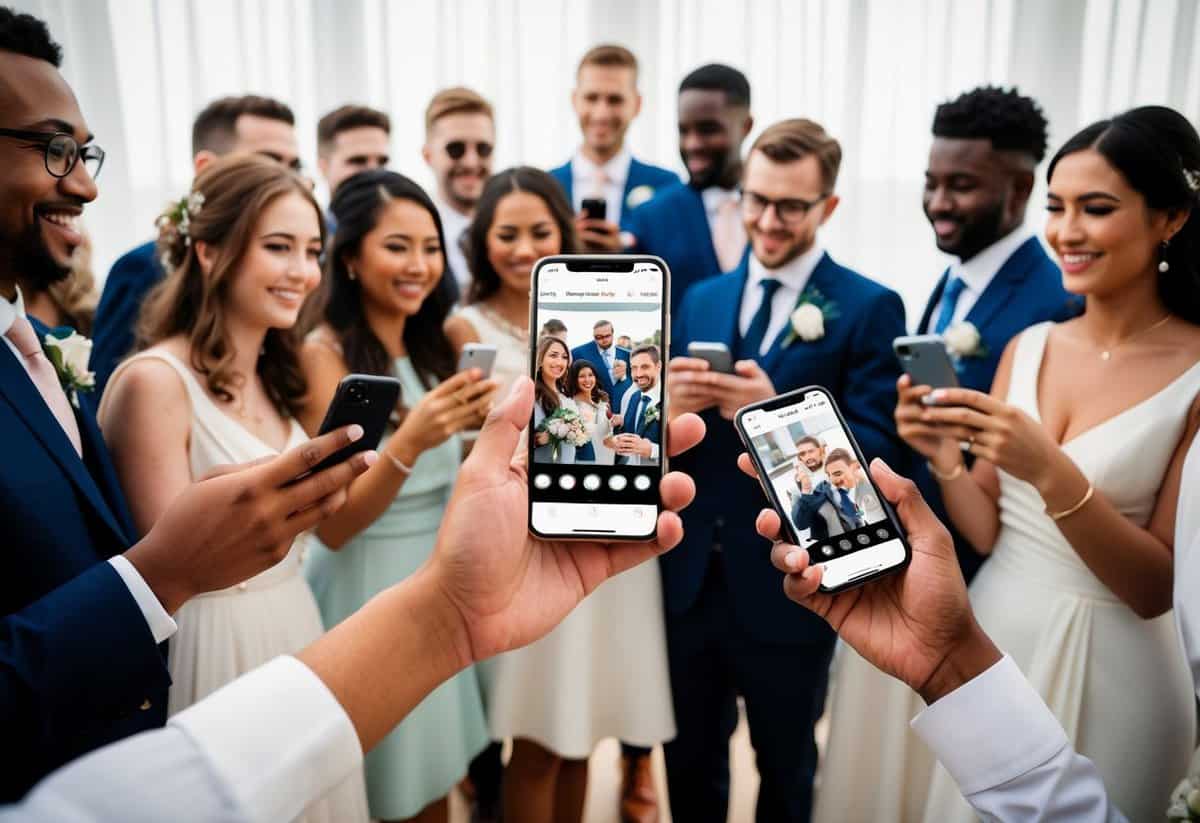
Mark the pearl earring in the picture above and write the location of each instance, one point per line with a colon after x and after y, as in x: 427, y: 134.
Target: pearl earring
x: 350, y: 273
x: 1163, y: 265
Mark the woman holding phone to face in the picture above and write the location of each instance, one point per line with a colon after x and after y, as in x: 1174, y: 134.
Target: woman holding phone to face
x: 381, y: 312
x: 1079, y: 451
x: 592, y: 403
x: 218, y: 382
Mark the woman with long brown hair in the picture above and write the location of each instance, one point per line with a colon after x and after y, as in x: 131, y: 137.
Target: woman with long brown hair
x: 218, y: 381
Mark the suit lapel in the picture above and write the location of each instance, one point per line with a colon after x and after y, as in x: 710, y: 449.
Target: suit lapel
x: 934, y: 299
x: 18, y: 389
x: 732, y: 296
x: 999, y: 293
x: 823, y: 279
x: 699, y: 218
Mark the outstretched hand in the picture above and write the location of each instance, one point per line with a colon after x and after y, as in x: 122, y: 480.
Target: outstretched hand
x: 507, y: 587
x: 915, y: 625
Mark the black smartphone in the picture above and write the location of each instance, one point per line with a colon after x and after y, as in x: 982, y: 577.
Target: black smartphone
x: 595, y: 208
x: 816, y: 477
x: 363, y: 399
x: 926, y: 360
x: 589, y: 479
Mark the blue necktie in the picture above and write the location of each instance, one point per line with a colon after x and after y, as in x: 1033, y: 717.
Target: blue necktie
x: 847, y: 506
x: 954, y: 287
x: 639, y: 420
x: 753, y: 339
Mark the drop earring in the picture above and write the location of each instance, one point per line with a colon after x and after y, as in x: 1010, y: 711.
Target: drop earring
x: 350, y: 273
x: 1163, y: 265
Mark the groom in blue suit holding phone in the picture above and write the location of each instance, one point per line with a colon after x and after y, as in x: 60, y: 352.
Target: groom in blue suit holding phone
x: 987, y: 144
x: 696, y: 227
x: 606, y: 101
x: 730, y: 630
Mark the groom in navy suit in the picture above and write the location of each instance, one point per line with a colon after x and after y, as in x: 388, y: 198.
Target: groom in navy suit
x: 696, y: 227
x: 730, y: 630
x: 986, y: 147
x: 82, y: 614
x: 606, y: 101
x: 611, y: 362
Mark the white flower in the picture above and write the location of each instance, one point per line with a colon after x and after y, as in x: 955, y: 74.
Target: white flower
x: 195, y: 202
x: 638, y: 196
x: 962, y: 339
x: 808, y: 322
x: 75, y: 351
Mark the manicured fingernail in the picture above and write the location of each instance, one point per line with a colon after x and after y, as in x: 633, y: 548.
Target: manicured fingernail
x: 792, y: 560
x: 883, y: 465
x: 937, y: 394
x: 370, y: 458
x: 354, y: 432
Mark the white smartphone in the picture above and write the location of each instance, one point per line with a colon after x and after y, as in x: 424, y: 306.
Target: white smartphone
x: 717, y: 354
x: 816, y: 478
x: 587, y: 479
x: 478, y: 356
x: 926, y: 360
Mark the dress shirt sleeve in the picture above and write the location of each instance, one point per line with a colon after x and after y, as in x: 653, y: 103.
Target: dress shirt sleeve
x: 1008, y: 754
x: 276, y: 736
x: 160, y: 623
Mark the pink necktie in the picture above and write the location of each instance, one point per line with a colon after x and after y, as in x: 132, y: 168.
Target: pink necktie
x: 41, y: 370
x: 729, y: 235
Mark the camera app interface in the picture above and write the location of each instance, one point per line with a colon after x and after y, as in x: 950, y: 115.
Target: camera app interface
x: 824, y: 490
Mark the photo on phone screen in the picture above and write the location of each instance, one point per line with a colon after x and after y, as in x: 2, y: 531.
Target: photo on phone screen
x: 818, y: 480
x: 596, y: 435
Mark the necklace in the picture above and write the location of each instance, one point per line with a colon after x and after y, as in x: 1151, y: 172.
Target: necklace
x: 1106, y: 355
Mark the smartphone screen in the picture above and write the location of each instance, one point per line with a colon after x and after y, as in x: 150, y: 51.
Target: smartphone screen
x: 817, y: 479
x: 596, y: 437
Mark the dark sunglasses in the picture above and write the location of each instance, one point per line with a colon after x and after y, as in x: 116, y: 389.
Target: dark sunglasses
x: 457, y: 149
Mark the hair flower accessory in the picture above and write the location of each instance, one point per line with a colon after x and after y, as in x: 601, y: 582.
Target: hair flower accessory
x: 174, y: 225
x: 1192, y: 176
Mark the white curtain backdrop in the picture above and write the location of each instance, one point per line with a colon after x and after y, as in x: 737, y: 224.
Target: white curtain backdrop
x: 871, y: 71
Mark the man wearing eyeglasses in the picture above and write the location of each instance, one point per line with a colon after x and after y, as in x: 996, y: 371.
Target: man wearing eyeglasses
x: 460, y: 135
x: 230, y: 125
x: 728, y: 622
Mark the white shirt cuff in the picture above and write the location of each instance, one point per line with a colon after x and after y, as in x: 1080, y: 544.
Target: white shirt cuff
x: 991, y: 729
x: 276, y: 736
x: 162, y: 626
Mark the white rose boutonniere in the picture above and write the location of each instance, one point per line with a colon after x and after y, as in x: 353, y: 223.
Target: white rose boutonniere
x: 808, y: 319
x: 638, y: 195
x: 651, y: 414
x: 963, y: 340
x: 69, y: 351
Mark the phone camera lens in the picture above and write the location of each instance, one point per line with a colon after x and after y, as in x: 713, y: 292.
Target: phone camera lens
x: 357, y: 394
x: 903, y: 351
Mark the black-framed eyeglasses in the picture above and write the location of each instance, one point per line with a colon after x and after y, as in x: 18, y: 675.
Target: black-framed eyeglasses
x: 789, y: 209
x: 457, y: 149
x: 62, y: 151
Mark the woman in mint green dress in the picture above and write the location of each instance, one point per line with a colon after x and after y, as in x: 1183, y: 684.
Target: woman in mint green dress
x: 380, y: 312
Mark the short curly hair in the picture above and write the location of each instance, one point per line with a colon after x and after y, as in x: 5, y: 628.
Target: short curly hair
x: 27, y: 35
x: 1010, y: 120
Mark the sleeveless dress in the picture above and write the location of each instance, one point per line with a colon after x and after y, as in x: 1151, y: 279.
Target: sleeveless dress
x: 1120, y: 685
x: 428, y: 753
x: 224, y: 634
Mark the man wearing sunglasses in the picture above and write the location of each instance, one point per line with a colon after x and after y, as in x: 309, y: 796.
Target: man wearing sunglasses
x: 460, y: 136
x: 230, y: 125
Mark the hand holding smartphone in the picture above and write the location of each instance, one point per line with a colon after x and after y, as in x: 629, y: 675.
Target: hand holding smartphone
x: 365, y: 399
x: 804, y: 454
x: 480, y: 356
x: 716, y: 354
x: 926, y: 361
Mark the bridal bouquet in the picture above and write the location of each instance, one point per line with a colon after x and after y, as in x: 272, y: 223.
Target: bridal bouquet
x: 565, y: 425
x: 1185, y: 800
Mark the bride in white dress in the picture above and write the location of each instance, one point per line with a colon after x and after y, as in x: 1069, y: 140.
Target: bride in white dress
x: 1079, y: 452
x: 219, y: 385
x: 592, y: 403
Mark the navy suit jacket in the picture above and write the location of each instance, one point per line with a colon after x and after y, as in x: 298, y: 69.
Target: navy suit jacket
x: 1025, y: 291
x: 591, y: 353
x: 129, y: 281
x: 674, y: 226
x: 854, y: 361
x: 77, y: 659
x: 640, y: 174
x: 806, y: 512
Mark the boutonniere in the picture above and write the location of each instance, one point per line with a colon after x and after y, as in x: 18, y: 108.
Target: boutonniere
x: 652, y: 414
x: 69, y: 351
x: 638, y: 195
x: 808, y: 319
x: 963, y: 340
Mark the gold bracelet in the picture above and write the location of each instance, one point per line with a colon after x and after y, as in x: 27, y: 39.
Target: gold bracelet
x: 952, y: 475
x: 400, y: 467
x: 1056, y: 516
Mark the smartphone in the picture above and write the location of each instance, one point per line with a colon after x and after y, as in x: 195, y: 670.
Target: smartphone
x: 926, y: 360
x: 480, y: 356
x: 581, y: 487
x: 717, y: 354
x: 364, y: 399
x: 816, y: 478
x: 595, y: 208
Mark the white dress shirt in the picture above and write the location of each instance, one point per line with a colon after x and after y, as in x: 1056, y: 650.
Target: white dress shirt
x: 454, y: 226
x: 714, y: 197
x: 635, y: 395
x: 978, y: 273
x: 583, y: 182
x: 1006, y: 750
x: 160, y: 623
x: 258, y: 750
x: 793, y: 277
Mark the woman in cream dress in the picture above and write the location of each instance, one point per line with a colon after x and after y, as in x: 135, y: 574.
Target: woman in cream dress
x: 592, y: 404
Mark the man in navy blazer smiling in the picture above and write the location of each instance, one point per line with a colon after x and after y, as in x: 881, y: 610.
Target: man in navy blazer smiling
x: 729, y: 628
